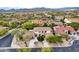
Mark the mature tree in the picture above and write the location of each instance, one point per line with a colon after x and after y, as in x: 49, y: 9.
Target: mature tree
x: 51, y: 25
x: 23, y: 20
x: 40, y: 38
x: 14, y: 24
x: 74, y: 25
x: 54, y: 39
x: 1, y: 22
x: 3, y: 32
x: 53, y: 17
x: 62, y: 20
x: 4, y: 23
x: 28, y: 25
x: 45, y: 25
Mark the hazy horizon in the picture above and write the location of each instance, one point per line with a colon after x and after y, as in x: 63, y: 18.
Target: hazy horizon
x: 38, y: 3
x: 34, y: 7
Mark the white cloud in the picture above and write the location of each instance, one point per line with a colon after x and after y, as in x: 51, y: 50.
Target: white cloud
x: 39, y: 3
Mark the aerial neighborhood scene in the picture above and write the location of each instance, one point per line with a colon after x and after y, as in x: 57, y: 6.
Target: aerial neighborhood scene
x: 39, y: 29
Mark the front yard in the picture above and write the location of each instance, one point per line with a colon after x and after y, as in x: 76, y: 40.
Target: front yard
x: 25, y: 39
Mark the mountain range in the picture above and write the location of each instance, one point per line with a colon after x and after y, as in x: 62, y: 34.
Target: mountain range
x: 10, y: 9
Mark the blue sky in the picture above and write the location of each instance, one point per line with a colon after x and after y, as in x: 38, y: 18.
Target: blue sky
x: 39, y: 3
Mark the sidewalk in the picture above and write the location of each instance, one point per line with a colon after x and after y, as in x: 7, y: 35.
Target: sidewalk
x: 13, y: 45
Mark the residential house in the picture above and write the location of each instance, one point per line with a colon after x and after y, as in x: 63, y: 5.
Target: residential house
x: 69, y: 20
x: 42, y: 21
x: 75, y: 35
x: 43, y: 31
x: 58, y: 23
x: 58, y: 18
x: 63, y: 29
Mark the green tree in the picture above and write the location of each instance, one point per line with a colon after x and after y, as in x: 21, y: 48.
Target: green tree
x: 1, y: 22
x: 3, y: 32
x: 54, y: 39
x: 40, y: 38
x: 51, y: 25
x: 53, y: 17
x: 62, y: 20
x: 74, y: 25
x: 45, y: 25
x: 14, y: 24
x: 4, y: 23
x: 28, y: 25
x: 23, y: 21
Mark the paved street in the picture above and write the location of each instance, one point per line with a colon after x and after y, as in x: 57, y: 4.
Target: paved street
x: 6, y: 41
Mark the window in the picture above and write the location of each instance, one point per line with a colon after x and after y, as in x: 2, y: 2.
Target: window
x: 45, y: 31
x: 48, y: 32
x: 77, y: 33
x: 42, y: 31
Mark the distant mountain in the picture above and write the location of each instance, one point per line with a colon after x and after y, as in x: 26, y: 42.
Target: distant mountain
x: 8, y: 9
x: 69, y: 8
x: 24, y: 9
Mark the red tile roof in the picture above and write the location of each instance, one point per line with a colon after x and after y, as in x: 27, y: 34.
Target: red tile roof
x: 73, y: 19
x: 61, y: 29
